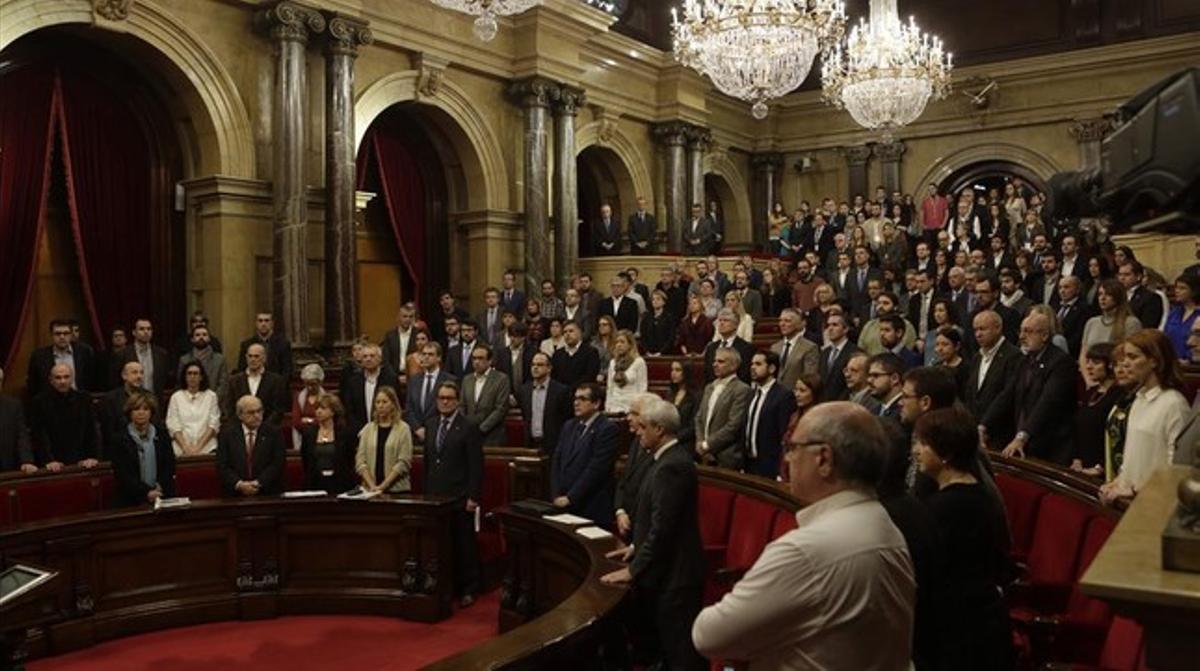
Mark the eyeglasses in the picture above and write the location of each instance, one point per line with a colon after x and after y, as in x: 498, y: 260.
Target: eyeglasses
x: 446, y: 398
x: 583, y: 398
x: 791, y: 446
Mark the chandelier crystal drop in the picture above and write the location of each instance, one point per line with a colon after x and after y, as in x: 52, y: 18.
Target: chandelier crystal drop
x: 487, y: 10
x: 755, y: 50
x: 887, y: 71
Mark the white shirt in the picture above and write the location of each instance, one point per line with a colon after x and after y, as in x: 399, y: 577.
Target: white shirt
x: 718, y: 386
x: 1068, y: 265
x: 835, y: 593
x: 371, y: 381
x: 480, y: 380
x: 252, y: 381
x: 985, y: 360
x: 755, y: 412
x: 1156, y: 419
x: 637, y: 381
x: 191, y: 414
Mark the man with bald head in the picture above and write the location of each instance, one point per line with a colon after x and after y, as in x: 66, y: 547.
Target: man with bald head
x: 111, y: 409
x: 63, y: 424
x: 1039, y: 400
x: 842, y: 577
x: 992, y: 365
x: 250, y: 456
x: 257, y: 381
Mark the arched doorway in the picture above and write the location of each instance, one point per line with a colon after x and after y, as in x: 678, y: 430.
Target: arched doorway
x: 93, y: 154
x: 602, y: 177
x: 983, y: 176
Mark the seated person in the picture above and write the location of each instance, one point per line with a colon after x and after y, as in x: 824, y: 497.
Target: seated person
x: 250, y: 453
x: 143, y: 462
x: 63, y: 424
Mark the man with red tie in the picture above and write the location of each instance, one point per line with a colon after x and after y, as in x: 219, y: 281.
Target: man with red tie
x: 250, y: 456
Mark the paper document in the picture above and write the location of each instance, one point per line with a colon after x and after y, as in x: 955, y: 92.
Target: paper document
x: 177, y: 502
x: 593, y: 533
x: 567, y: 518
x: 305, y: 494
x: 358, y: 494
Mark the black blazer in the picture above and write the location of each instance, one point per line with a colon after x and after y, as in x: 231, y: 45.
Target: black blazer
x: 127, y: 470
x: 15, y: 445
x: 63, y: 428
x: 637, y: 464
x: 515, y: 304
x: 687, y: 419
x: 626, y: 316
x: 745, y: 349
x: 642, y: 232
x: 1040, y: 399
x: 272, y: 391
x: 279, y: 354
x: 572, y: 371
x: 860, y: 301
x: 777, y: 409
x: 393, y: 354
x: 457, y: 470
x: 1073, y: 321
x: 555, y: 413
x: 454, y: 359
x: 414, y: 415
x: 269, y: 459
x: 582, y: 469
x: 358, y: 406
x: 834, y: 378
x: 977, y: 398
x: 41, y: 360
x: 1147, y: 306
x: 601, y: 234
x: 504, y: 361
x: 345, y: 447
x: 164, y: 369
x: 658, y: 333
x: 666, y: 530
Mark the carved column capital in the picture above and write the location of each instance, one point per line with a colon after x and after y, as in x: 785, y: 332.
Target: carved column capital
x: 889, y: 152
x: 111, y: 10
x: 856, y: 155
x: 698, y: 137
x: 290, y: 22
x: 344, y: 34
x: 671, y: 133
x: 533, y: 92
x: 1091, y: 130
x: 568, y: 99
x: 767, y: 161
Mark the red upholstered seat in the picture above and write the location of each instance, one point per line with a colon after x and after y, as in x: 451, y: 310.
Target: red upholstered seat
x: 785, y: 521
x: 514, y: 431
x: 1021, y: 501
x: 42, y: 499
x: 293, y: 475
x: 749, y: 531
x: 1057, y: 538
x: 1122, y: 649
x: 416, y: 475
x: 716, y: 507
x: 108, y: 488
x: 495, y: 494
x: 1080, y: 632
x: 198, y: 482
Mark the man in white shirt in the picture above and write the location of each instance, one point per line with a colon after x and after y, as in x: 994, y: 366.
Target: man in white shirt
x: 838, y: 591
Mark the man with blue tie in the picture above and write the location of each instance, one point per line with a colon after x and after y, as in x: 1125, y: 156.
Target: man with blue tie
x: 581, y: 478
x: 771, y: 406
x: 421, y: 403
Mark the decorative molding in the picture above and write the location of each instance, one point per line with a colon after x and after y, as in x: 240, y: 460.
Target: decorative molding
x: 288, y: 21
x: 606, y: 124
x: 430, y: 72
x: 111, y: 10
x: 533, y: 92
x: 770, y: 161
x: 344, y: 34
x: 889, y: 152
x: 671, y: 133
x: 1092, y: 130
x: 698, y: 138
x: 568, y: 99
x: 856, y: 155
x: 617, y: 142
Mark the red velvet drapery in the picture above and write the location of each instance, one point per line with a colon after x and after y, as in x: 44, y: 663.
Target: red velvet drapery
x: 404, y: 192
x: 27, y: 99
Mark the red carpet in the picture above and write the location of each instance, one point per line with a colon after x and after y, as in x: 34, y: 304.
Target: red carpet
x: 290, y: 644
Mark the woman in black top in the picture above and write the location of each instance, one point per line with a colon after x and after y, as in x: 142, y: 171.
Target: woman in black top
x: 327, y: 448
x: 1093, y: 411
x: 775, y: 296
x: 658, y: 326
x: 681, y: 394
x: 143, y: 462
x: 975, y: 632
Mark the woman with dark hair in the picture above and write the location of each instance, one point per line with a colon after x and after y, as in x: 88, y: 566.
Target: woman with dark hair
x: 412, y: 361
x: 682, y: 394
x: 807, y: 393
x: 1098, y: 271
x: 944, y: 313
x: 1094, y: 409
x: 775, y: 296
x: 1183, y: 314
x: 1115, y: 321
x: 941, y: 265
x: 948, y: 343
x: 327, y: 448
x: 1123, y: 254
x: 658, y: 326
x: 535, y: 323
x: 143, y: 462
x: 975, y: 631
x: 193, y: 414
x: 695, y: 329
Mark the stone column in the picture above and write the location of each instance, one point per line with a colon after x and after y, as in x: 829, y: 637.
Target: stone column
x: 566, y: 196
x: 342, y: 39
x: 534, y: 95
x: 766, y: 169
x: 889, y: 156
x: 672, y: 135
x: 856, y: 159
x: 289, y: 25
x: 698, y: 140
x: 1089, y: 133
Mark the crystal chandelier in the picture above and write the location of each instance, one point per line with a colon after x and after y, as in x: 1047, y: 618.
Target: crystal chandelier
x: 487, y: 10
x: 755, y: 50
x: 887, y: 71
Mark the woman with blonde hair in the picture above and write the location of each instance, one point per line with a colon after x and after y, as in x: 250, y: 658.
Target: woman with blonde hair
x: 745, y: 329
x: 385, y: 447
x: 606, y: 335
x: 627, y: 375
x: 1115, y: 321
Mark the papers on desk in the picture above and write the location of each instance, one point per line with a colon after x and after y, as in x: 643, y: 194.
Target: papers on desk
x: 358, y: 494
x: 305, y: 494
x: 593, y: 533
x: 176, y: 502
x: 567, y: 518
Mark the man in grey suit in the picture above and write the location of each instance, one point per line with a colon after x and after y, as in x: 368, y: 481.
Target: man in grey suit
x: 751, y: 298
x: 642, y: 229
x: 485, y: 395
x: 722, y: 412
x: 697, y: 233
x: 797, y: 354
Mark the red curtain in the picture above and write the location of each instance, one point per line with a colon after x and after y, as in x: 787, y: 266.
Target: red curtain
x: 27, y: 99
x: 404, y: 193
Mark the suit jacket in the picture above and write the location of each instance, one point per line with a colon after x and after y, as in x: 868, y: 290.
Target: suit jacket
x: 638, y: 463
x: 514, y: 304
x: 489, y: 411
x: 504, y: 363
x: 860, y: 301
x: 454, y: 359
x: 1147, y: 306
x: 1073, y: 320
x: 353, y: 391
x: 41, y: 360
x: 978, y: 398
x: 414, y: 414
x: 912, y: 311
x: 669, y: 554
x: 723, y: 431
x: 268, y: 459
x: 1010, y: 319
x: 642, y: 232
x: 1187, y: 447
x: 127, y: 469
x: 833, y: 378
x: 279, y: 354
x: 556, y: 411
x: 585, y: 318
x: 752, y: 303
x: 456, y: 470
x: 15, y: 445
x: 164, y: 372
x: 699, y: 240
x: 272, y: 391
x: 582, y: 468
x: 572, y: 371
x: 745, y: 349
x: 962, y: 303
x: 777, y: 407
x: 626, y: 316
x: 804, y: 357
x: 345, y: 447
x: 393, y: 354
x: 1040, y: 399
x: 63, y: 427
x: 658, y: 333
x: 602, y: 235
x: 489, y: 335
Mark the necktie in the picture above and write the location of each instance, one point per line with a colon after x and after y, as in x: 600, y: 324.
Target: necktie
x: 441, y: 437
x: 787, y: 348
x: 425, y: 394
x: 508, y: 296
x: 753, y: 423
x: 862, y: 279
x: 833, y: 355
x: 1062, y: 311
x: 725, y: 343
x: 250, y: 455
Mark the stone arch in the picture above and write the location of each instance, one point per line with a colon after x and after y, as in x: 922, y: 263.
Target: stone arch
x: 1040, y: 164
x: 605, y: 134
x: 221, y: 138
x: 732, y: 186
x: 473, y: 141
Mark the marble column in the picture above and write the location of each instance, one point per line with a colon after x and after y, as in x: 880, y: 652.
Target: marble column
x: 289, y: 26
x: 1089, y: 133
x: 534, y: 95
x: 766, y: 169
x: 698, y: 140
x: 673, y: 136
x: 856, y: 160
x: 889, y: 155
x: 567, y: 101
x: 342, y: 39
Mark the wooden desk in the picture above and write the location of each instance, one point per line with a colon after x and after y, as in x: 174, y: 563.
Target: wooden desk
x: 129, y: 572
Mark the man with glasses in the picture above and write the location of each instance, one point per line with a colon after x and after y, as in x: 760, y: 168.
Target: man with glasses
x: 250, y: 455
x: 454, y: 469
x: 883, y: 374
x: 581, y: 476
x: 421, y: 402
x: 838, y: 591
x: 61, y: 351
x: 987, y: 298
x: 485, y: 395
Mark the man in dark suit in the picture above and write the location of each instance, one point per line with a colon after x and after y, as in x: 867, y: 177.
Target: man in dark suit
x: 834, y: 357
x: 111, y: 409
x: 721, y: 414
x: 860, y: 278
x: 771, y: 406
x: 606, y: 233
x: 16, y: 449
x: 1073, y: 313
x: 961, y: 295
x: 987, y: 299
x: 270, y: 388
x: 485, y: 395
x: 250, y: 453
x: 727, y: 336
x: 891, y: 338
x: 582, y: 470
x: 884, y: 373
x: 919, y: 311
x: 818, y: 236
x: 358, y: 391
x: 637, y: 463
x: 666, y: 558
x: 698, y: 234
x: 421, y: 396
x: 545, y: 405
x: 42, y: 359
x: 1145, y: 304
x: 578, y: 362
x: 1073, y: 263
x: 1040, y: 399
x: 514, y: 360
x: 458, y: 357
x: 62, y: 424
x: 447, y: 308
x: 574, y: 311
x: 992, y: 367
x: 717, y: 224
x: 399, y: 342
x: 621, y: 308
x: 489, y: 319
x: 278, y: 348
x: 454, y: 468
x: 512, y: 298
x: 156, y: 363
x: 642, y: 229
